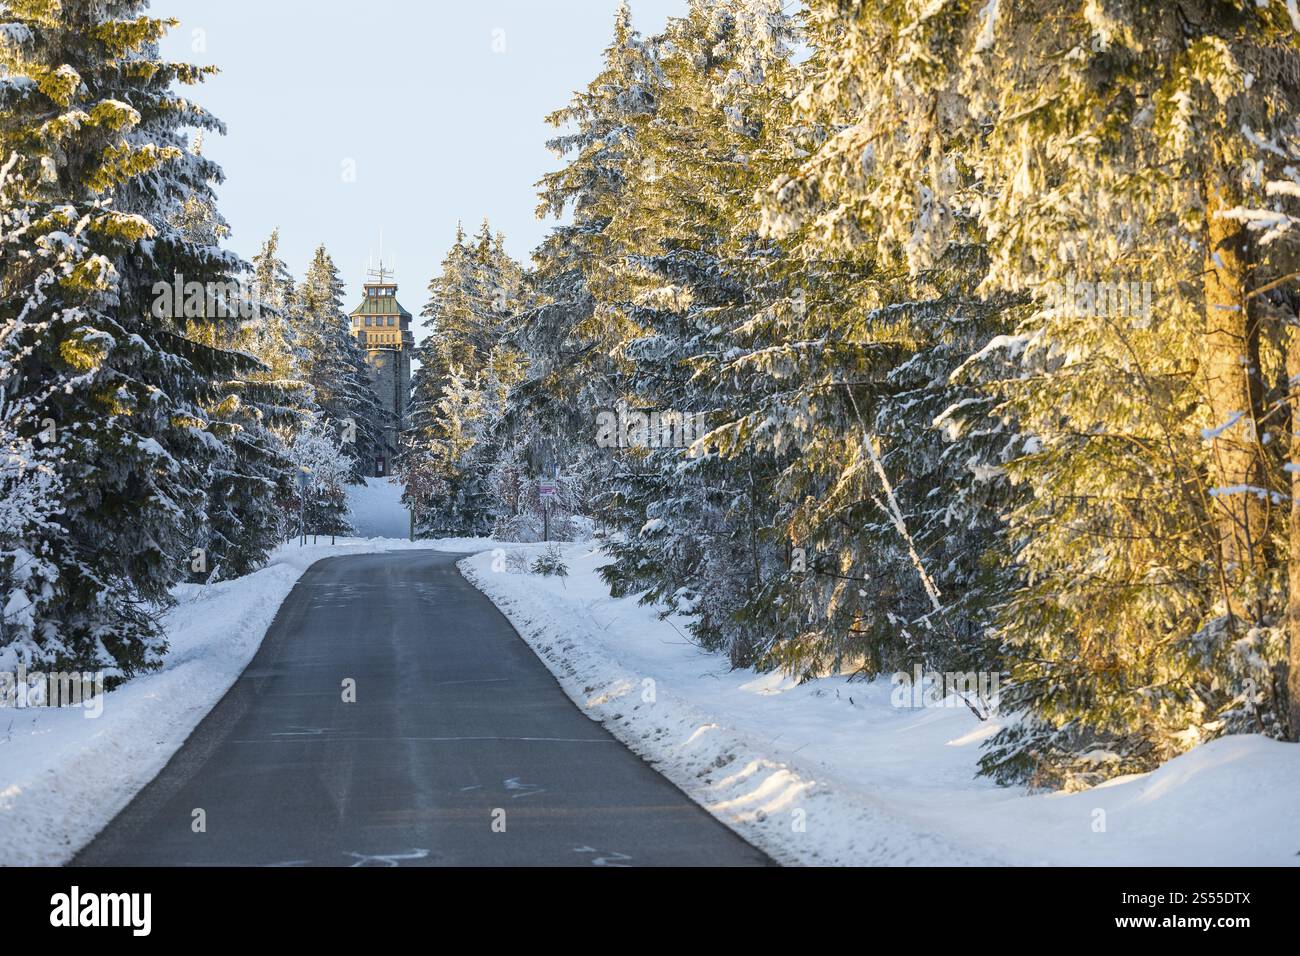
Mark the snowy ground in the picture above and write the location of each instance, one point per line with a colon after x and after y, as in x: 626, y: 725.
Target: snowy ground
x: 64, y: 775
x: 824, y: 773
x: 831, y: 773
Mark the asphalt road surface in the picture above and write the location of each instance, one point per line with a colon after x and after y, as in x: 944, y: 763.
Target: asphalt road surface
x: 457, y: 733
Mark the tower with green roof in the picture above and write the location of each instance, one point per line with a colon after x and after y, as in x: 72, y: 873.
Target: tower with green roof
x: 383, y: 330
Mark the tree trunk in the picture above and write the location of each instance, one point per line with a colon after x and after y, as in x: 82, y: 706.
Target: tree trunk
x: 1234, y: 392
x: 1293, y: 534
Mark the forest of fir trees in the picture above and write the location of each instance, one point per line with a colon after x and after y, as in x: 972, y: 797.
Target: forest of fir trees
x: 154, y: 431
x: 991, y: 311
x: 988, y: 310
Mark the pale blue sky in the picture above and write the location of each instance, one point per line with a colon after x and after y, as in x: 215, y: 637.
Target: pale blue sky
x: 440, y: 126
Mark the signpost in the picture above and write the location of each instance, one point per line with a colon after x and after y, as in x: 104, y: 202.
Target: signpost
x: 304, y: 477
x: 546, y: 492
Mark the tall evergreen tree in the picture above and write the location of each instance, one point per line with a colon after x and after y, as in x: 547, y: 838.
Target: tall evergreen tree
x: 698, y: 524
x: 250, y: 481
x: 457, y: 394
x: 32, y: 540
x: 893, y: 498
x: 570, y: 336
x: 323, y: 465
x: 91, y: 110
x: 1274, y: 227
x: 445, y: 477
x: 274, y: 338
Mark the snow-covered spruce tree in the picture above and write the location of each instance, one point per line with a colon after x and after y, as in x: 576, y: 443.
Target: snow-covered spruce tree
x: 445, y: 476
x: 333, y: 363
x: 319, y: 452
x: 545, y: 422
x: 468, y: 308
x: 36, y: 254
x: 697, y: 523
x: 250, y: 478
x: 276, y: 340
x: 571, y: 337
x: 1181, y: 474
x: 250, y: 482
x: 457, y: 394
x: 890, y: 472
x: 92, y: 112
x: 1105, y: 139
x: 274, y: 337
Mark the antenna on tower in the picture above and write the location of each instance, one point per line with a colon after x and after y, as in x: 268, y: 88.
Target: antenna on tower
x: 381, y: 275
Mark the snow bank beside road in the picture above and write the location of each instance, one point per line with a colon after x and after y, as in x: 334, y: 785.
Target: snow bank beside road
x: 64, y: 776
x: 831, y: 773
